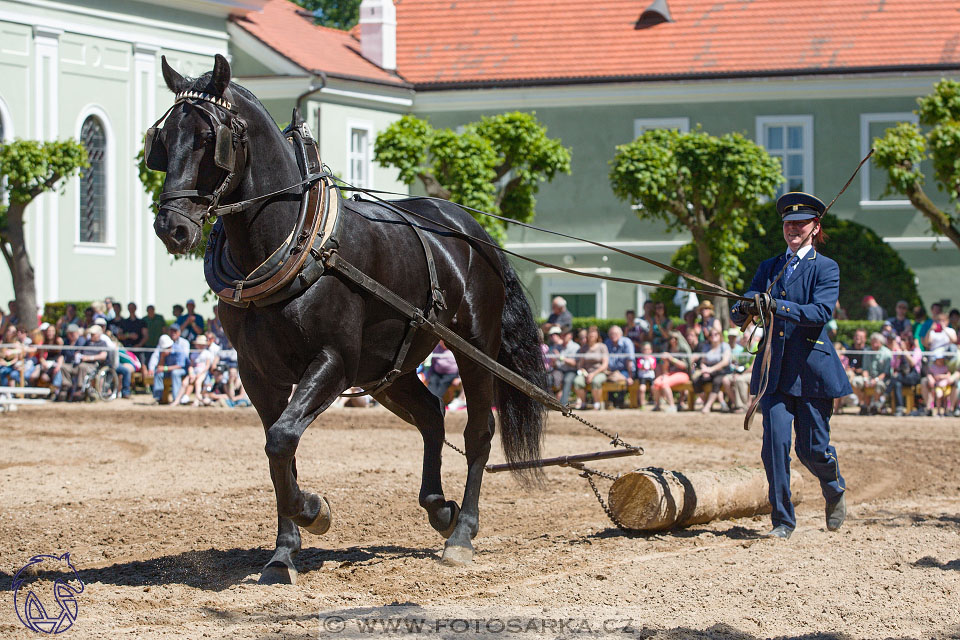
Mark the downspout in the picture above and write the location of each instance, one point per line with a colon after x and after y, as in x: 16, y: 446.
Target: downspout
x: 314, y: 88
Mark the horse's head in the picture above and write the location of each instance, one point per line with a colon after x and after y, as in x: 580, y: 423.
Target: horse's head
x: 200, y: 146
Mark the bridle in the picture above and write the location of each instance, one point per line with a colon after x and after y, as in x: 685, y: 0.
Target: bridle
x: 230, y: 152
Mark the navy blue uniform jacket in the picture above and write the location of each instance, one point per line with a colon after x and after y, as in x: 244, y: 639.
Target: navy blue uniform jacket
x: 803, y: 362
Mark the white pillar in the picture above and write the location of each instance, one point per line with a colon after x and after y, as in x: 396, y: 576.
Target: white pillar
x: 144, y: 113
x: 44, y: 211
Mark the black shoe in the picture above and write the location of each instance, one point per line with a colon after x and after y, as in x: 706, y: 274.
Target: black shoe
x: 781, y: 531
x: 836, y: 512
x: 864, y: 411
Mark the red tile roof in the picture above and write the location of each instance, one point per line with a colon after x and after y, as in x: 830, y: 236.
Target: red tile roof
x: 312, y: 47
x: 497, y: 41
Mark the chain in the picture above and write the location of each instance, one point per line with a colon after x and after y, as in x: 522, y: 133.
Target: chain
x: 615, y: 439
x: 455, y: 447
x: 588, y: 474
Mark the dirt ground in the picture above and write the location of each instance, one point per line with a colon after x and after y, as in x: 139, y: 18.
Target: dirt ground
x: 168, y: 514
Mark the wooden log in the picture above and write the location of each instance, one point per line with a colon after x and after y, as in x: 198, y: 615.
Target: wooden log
x: 655, y: 499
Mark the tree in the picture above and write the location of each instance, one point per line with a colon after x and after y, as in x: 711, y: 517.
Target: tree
x: 885, y: 275
x: 711, y: 186
x: 29, y: 168
x: 901, y: 150
x: 336, y: 14
x: 495, y: 165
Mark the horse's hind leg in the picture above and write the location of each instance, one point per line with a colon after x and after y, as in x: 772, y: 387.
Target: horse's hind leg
x: 478, y: 388
x: 408, y: 398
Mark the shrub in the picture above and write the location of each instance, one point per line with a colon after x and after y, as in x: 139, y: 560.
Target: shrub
x: 53, y: 311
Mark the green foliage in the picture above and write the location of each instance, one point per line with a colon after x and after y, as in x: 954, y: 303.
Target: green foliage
x: 152, y: 182
x: 900, y: 152
x: 884, y: 275
x: 336, y: 14
x: 903, y: 147
x: 53, y: 311
x: 495, y: 165
x: 709, y: 185
x: 30, y: 167
x: 846, y: 328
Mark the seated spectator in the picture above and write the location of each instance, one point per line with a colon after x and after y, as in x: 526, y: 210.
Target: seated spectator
x: 871, y: 385
x: 71, y: 362
x: 839, y: 312
x: 673, y: 372
x: 133, y: 330
x: 200, y: 364
x: 935, y: 383
x: 940, y: 336
x: 156, y: 325
x: 565, y: 369
x: 922, y: 327
x: 645, y: 321
x: 875, y: 312
x: 169, y: 360
x: 191, y: 322
x: 707, y: 320
x: 594, y: 360
x: 87, y: 321
x: 51, y: 362
x: 646, y: 372
x: 177, y: 311
x: 110, y: 309
x: 99, y: 310
x: 661, y: 327
x: 906, y: 368
x: 92, y: 359
x: 622, y: 362
x: 713, y: 365
x: 552, y: 358
x: 690, y: 323
x: 900, y: 322
x: 69, y: 317
x: 736, y: 384
x: 953, y: 319
x: 559, y: 316
x: 633, y: 330
x: 444, y: 372
x: 10, y: 355
x: 855, y: 356
x: 11, y: 318
x: 28, y: 368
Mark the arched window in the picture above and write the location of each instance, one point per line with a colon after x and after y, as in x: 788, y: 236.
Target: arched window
x: 93, y: 188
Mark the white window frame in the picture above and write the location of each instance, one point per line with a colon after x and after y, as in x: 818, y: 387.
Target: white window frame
x: 367, y: 126
x: 804, y: 121
x: 556, y: 280
x: 866, y: 119
x: 109, y: 246
x: 645, y: 124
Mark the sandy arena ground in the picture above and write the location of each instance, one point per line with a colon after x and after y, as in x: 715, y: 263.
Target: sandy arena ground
x: 168, y: 514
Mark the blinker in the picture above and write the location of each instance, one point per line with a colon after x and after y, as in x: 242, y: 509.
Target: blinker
x: 154, y: 154
x: 224, y: 153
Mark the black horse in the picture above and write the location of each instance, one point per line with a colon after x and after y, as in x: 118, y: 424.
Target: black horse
x: 334, y: 335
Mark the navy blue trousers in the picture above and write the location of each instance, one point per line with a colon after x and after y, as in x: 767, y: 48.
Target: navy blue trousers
x: 810, y: 417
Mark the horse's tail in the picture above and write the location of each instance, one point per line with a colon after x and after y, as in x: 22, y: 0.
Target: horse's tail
x: 521, y: 417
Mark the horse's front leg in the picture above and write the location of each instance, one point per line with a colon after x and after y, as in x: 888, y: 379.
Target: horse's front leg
x: 318, y: 388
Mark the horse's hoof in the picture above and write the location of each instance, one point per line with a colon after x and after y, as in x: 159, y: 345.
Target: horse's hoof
x: 321, y: 524
x: 454, y: 516
x: 277, y: 573
x: 457, y: 556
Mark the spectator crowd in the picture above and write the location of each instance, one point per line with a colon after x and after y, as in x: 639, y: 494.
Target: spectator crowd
x: 910, y: 366
x: 185, y: 361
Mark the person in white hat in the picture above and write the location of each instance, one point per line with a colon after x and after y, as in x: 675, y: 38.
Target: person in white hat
x: 166, y: 362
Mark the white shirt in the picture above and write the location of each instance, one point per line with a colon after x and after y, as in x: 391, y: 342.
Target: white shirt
x: 802, y: 251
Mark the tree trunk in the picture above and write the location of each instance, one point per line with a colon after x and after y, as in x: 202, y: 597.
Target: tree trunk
x: 939, y: 220
x: 721, y: 310
x: 24, y: 284
x: 433, y: 187
x: 655, y: 499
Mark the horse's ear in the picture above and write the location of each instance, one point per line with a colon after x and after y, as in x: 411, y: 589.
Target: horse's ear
x: 175, y: 82
x: 295, y: 119
x: 221, y: 75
